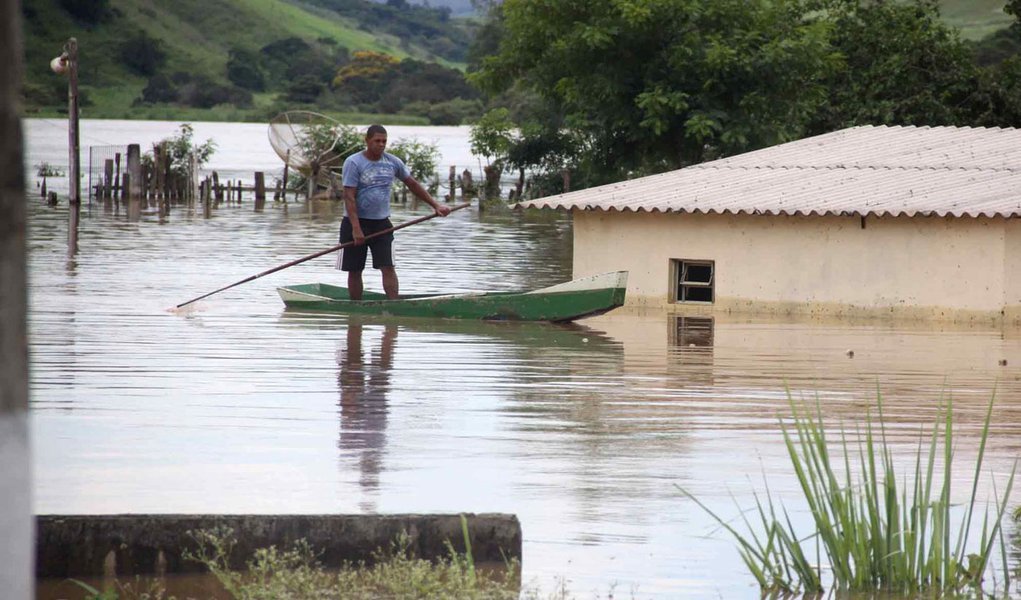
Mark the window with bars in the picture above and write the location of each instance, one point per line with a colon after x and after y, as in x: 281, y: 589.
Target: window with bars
x: 695, y: 279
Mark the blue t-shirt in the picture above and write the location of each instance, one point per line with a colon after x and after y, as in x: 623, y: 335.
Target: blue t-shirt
x: 373, y: 179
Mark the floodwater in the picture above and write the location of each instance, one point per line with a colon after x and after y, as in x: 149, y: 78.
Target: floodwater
x: 584, y: 432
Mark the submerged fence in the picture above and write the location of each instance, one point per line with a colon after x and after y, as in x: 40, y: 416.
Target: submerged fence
x: 122, y: 174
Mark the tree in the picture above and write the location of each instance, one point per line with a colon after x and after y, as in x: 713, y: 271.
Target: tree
x: 143, y: 54
x: 1013, y: 8
x: 492, y: 135
x: 243, y: 70
x: 902, y: 66
x: 305, y: 89
x: 366, y: 64
x: 421, y: 158
x: 160, y: 89
x: 180, y: 148
x: 651, y: 86
x: 90, y: 12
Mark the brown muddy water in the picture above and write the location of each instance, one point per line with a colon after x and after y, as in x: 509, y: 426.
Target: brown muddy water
x: 584, y: 432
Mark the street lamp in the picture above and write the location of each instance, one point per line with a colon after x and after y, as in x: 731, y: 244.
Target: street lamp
x: 67, y: 64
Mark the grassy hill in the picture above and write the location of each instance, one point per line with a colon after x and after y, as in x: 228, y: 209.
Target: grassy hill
x: 196, y: 36
x: 975, y: 18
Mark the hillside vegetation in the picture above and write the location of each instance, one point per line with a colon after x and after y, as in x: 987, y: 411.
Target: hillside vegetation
x: 251, y: 59
x: 283, y: 54
x: 975, y: 18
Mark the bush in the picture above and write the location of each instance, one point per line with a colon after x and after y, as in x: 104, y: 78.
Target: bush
x: 180, y: 148
x: 395, y: 573
x: 243, y: 70
x: 143, y: 54
x: 87, y: 11
x: 422, y: 158
x: 160, y: 89
x: 305, y: 90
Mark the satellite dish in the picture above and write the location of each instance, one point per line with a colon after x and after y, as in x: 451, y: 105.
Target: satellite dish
x: 311, y: 143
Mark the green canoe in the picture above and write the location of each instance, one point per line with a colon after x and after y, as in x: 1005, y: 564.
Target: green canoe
x: 562, y: 302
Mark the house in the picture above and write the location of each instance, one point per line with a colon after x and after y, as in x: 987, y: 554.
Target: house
x: 913, y: 222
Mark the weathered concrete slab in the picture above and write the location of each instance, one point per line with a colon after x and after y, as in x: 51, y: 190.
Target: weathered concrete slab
x: 127, y: 545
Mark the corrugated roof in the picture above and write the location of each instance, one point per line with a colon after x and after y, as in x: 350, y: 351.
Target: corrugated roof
x: 931, y: 171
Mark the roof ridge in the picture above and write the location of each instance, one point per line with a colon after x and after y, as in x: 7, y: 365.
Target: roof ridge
x: 855, y: 167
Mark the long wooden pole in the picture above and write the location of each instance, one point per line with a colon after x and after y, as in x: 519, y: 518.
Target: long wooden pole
x: 73, y: 166
x: 320, y: 253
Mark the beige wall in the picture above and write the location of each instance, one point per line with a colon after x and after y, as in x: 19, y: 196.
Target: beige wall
x: 962, y: 269
x: 1012, y: 270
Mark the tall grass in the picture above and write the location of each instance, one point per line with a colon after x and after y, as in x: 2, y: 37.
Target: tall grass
x: 274, y: 574
x: 877, y: 533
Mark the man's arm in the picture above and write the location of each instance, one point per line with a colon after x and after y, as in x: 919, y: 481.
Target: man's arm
x: 351, y: 204
x: 424, y: 195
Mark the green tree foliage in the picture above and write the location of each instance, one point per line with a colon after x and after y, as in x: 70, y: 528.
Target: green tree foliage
x: 180, y: 149
x: 304, y: 90
x: 161, y: 88
x: 632, y: 87
x: 243, y: 70
x: 414, y: 24
x: 422, y: 158
x: 656, y: 85
x: 143, y: 54
x: 997, y: 47
x: 492, y: 135
x: 1013, y: 8
x: 198, y: 91
x: 205, y: 92
x: 447, y: 112
x: 374, y: 81
x: 291, y: 58
x: 90, y: 12
x: 902, y: 66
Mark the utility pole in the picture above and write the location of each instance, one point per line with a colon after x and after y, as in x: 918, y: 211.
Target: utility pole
x: 67, y: 63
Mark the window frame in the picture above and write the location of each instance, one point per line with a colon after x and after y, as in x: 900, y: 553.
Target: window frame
x: 679, y: 286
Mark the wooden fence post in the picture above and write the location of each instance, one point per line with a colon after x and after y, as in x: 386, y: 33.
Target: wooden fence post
x: 260, y: 190
x: 134, y: 169
x: 452, y: 196
x: 286, y: 167
x: 107, y: 179
x: 217, y: 190
x: 467, y: 186
x: 117, y: 190
x: 193, y: 178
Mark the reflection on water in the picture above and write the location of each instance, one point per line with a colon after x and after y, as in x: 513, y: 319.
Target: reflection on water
x: 364, y: 381
x: 582, y: 431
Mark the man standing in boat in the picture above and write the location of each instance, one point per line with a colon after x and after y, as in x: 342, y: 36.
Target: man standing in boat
x: 367, y: 179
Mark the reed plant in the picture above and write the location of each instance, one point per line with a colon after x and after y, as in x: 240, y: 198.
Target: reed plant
x: 876, y: 531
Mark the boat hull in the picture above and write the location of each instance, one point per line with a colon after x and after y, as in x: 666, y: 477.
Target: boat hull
x: 564, y: 302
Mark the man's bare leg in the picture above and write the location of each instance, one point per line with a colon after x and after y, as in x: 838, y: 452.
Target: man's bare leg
x: 354, y: 284
x: 390, y: 284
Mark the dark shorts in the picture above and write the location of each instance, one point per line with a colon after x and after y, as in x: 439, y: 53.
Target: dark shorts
x: 353, y: 258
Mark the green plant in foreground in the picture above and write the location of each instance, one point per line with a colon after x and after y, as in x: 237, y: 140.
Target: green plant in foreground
x: 153, y: 591
x: 278, y: 574
x: 877, y: 535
